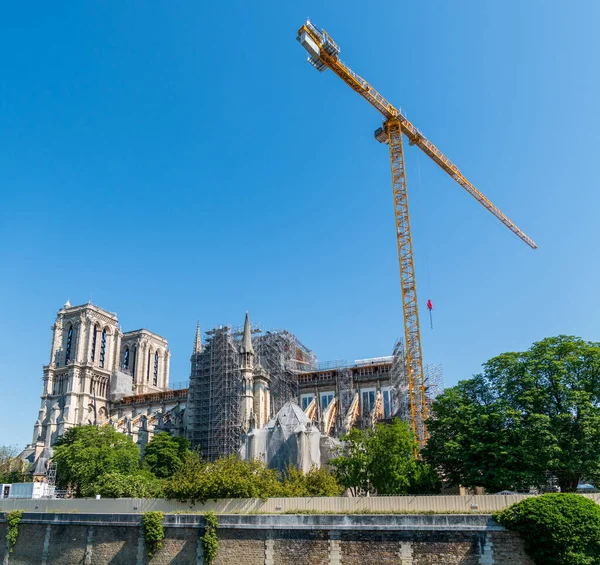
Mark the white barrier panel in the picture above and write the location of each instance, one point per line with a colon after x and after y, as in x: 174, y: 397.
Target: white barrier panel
x: 384, y: 504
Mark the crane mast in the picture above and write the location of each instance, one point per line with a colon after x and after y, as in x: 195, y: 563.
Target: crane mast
x: 323, y: 53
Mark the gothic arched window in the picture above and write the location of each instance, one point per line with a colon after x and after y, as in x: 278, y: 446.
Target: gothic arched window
x: 103, y: 348
x: 148, y: 371
x: 126, y: 358
x: 134, y: 360
x: 94, y: 338
x: 155, y: 381
x: 69, y: 343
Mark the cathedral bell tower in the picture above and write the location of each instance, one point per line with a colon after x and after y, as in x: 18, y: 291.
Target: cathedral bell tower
x: 84, y: 354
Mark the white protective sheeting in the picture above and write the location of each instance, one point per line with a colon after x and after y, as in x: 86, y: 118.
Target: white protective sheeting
x: 289, y: 438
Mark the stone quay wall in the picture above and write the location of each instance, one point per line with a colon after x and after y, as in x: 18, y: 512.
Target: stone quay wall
x: 285, y: 539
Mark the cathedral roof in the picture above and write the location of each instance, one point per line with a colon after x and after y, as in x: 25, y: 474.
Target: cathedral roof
x: 290, y: 416
x: 143, y: 331
x: 72, y: 310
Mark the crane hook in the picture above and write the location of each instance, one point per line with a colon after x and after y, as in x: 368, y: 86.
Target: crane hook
x: 430, y: 308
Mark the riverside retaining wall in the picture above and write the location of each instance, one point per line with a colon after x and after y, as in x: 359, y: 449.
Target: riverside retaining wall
x: 101, y: 539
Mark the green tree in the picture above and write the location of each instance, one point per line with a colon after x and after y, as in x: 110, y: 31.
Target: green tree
x: 229, y: 477
x: 477, y: 439
x: 85, y: 453
x: 392, y: 466
x: 351, y: 467
x: 529, y: 415
x: 12, y: 468
x: 142, y: 484
x: 165, y: 454
x: 382, y: 460
x: 558, y: 529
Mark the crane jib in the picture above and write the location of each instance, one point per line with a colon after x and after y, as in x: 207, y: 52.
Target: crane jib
x: 331, y: 60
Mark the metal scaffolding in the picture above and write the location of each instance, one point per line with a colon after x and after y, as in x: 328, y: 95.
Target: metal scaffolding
x: 213, y: 420
x: 283, y: 357
x: 213, y: 411
x: 399, y: 383
x: 433, y: 378
x: 434, y: 382
x: 214, y: 423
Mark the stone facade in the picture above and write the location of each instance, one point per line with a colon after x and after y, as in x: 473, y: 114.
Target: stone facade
x: 100, y: 375
x: 92, y: 366
x: 69, y: 539
x: 145, y: 356
x: 358, y: 393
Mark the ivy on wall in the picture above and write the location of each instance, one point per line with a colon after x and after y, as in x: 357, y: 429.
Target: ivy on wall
x: 210, y: 543
x: 154, y: 531
x: 13, y: 520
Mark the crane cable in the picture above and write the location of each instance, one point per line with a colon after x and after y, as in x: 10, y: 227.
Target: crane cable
x: 422, y: 197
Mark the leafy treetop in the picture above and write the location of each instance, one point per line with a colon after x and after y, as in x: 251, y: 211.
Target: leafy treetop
x: 382, y: 461
x: 230, y: 477
x: 12, y: 467
x: 141, y: 484
x: 165, y: 454
x: 85, y: 453
x: 527, y: 416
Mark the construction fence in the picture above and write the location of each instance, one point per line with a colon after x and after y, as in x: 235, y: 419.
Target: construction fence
x: 377, y: 504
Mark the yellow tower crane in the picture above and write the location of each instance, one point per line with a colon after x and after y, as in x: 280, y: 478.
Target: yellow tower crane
x: 323, y: 53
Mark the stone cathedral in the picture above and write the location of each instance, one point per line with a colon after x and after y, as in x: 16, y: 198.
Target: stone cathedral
x: 93, y: 366
x: 99, y: 375
x: 260, y: 394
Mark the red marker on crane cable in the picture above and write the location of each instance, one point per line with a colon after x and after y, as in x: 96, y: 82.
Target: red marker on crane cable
x: 430, y: 308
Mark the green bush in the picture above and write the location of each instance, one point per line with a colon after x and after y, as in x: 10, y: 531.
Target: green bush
x: 229, y: 477
x: 12, y: 532
x: 142, y: 484
x: 210, y: 543
x: 558, y: 529
x: 317, y: 482
x: 154, y: 531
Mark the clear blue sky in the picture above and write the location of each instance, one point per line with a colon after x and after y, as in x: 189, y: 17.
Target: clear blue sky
x: 175, y: 161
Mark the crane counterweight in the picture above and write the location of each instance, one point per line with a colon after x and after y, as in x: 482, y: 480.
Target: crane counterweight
x: 381, y: 135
